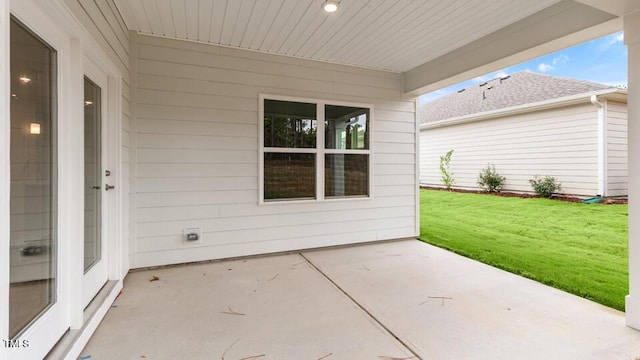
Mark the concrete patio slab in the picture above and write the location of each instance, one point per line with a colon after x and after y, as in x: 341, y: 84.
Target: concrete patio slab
x: 444, y: 306
x: 276, y: 307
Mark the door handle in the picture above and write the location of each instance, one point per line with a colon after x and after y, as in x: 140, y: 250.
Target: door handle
x: 109, y: 187
x: 96, y: 187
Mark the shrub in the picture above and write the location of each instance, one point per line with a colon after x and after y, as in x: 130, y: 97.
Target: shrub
x: 546, y: 186
x: 447, y: 175
x: 489, y: 180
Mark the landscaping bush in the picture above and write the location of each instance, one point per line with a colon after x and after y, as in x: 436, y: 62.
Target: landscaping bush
x: 546, y: 186
x: 489, y: 179
x: 447, y: 175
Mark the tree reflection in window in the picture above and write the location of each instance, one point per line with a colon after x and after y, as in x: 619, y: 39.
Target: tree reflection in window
x: 289, y: 124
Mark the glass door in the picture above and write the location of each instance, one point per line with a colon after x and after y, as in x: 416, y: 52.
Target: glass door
x: 57, y: 254
x: 92, y: 175
x: 33, y: 202
x: 95, y: 265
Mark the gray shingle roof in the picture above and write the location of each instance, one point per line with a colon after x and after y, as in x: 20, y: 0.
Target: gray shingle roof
x: 518, y: 89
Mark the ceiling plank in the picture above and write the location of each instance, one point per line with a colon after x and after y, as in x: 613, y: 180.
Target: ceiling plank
x: 358, y: 25
x: 219, y: 20
x: 137, y: 10
x: 257, y: 18
x: 290, y: 28
x: 204, y: 14
x: 179, y: 9
x: 127, y: 15
x: 167, y: 15
x: 283, y: 24
x: 153, y: 15
x: 231, y: 19
x: 270, y: 14
x: 191, y: 18
x: 334, y: 27
x: 240, y: 28
x: 356, y: 39
x: 306, y: 30
x: 286, y: 46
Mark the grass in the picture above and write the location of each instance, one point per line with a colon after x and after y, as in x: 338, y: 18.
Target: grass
x: 578, y: 248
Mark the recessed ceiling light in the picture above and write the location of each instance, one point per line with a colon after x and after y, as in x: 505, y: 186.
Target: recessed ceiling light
x: 24, y: 79
x: 330, y: 6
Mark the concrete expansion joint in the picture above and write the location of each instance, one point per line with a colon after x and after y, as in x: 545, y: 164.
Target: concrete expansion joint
x: 353, y: 300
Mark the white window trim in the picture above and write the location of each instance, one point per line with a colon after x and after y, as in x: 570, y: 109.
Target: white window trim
x: 319, y: 150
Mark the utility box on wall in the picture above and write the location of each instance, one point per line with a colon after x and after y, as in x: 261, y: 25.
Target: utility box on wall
x: 192, y: 235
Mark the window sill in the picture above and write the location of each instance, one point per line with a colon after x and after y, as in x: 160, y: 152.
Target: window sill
x: 315, y: 201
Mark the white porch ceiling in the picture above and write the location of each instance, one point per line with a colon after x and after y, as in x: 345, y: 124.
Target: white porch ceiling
x: 392, y: 35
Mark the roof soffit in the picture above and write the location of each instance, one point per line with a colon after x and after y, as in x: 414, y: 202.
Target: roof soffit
x: 389, y: 35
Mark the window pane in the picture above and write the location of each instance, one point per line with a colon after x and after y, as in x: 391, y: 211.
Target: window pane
x: 289, y: 176
x: 289, y: 124
x: 346, y: 127
x: 92, y: 174
x: 346, y: 175
x: 33, y: 204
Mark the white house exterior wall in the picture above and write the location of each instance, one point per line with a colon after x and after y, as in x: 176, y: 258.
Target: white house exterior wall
x: 617, y: 182
x: 559, y: 142
x: 197, y: 154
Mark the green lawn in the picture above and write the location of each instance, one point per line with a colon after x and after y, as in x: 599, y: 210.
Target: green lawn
x: 579, y: 248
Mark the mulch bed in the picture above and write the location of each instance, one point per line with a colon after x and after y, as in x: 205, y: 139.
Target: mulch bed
x: 567, y: 198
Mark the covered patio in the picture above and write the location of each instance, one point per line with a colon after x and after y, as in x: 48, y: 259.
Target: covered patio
x: 393, y: 300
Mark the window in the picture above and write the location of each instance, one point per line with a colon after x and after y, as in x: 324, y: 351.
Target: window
x: 346, y: 165
x: 314, y: 150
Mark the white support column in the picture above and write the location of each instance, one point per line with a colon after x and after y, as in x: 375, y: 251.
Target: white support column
x: 632, y: 40
x: 602, y: 145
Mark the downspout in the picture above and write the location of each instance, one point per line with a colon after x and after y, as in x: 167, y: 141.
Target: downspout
x: 602, y: 144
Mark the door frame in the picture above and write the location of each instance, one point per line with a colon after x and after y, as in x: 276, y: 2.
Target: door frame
x: 50, y: 325
x: 95, y: 274
x: 96, y: 64
x: 5, y: 176
x: 116, y: 251
x: 56, y: 24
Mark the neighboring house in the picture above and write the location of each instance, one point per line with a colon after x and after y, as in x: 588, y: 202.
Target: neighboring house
x: 139, y: 133
x: 530, y: 124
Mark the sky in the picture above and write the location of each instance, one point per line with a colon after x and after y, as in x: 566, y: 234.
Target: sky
x: 603, y: 60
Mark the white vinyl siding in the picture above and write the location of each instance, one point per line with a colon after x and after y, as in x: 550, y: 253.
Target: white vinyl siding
x: 197, y: 145
x: 105, y: 25
x: 616, y: 149
x: 559, y: 142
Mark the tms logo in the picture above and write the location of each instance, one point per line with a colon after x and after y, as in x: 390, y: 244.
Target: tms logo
x: 15, y: 343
